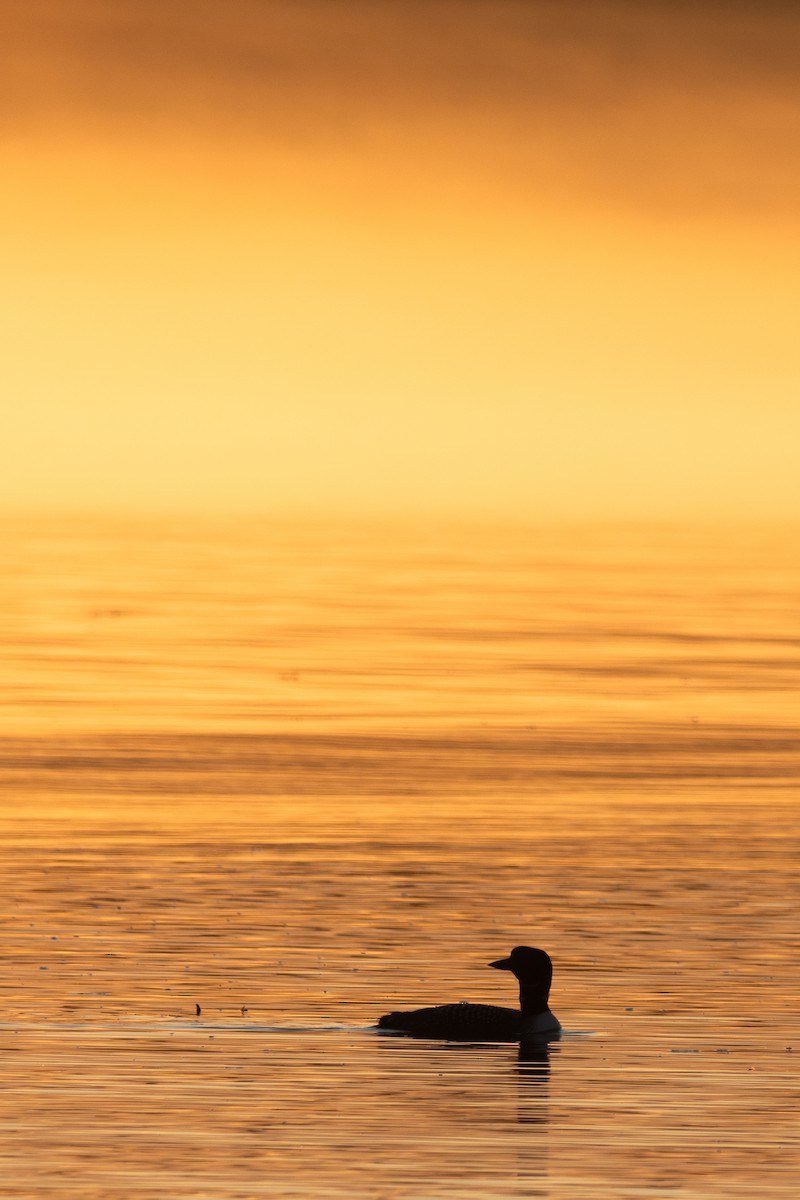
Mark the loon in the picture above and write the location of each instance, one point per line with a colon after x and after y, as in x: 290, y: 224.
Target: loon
x: 488, y: 1022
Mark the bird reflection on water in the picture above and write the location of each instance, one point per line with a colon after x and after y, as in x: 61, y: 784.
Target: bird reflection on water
x: 479, y: 1084
x: 533, y: 1072
x: 533, y: 1109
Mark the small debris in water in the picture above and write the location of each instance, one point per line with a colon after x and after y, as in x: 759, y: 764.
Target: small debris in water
x: 197, y: 1010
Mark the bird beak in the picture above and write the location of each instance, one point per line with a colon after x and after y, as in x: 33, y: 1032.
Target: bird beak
x: 502, y: 964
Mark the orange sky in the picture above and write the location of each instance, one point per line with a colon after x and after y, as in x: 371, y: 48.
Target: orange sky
x: 534, y: 257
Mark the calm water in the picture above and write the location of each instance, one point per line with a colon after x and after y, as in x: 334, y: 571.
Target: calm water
x: 304, y: 774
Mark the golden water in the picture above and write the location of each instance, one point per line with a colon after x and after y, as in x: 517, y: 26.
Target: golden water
x: 303, y: 774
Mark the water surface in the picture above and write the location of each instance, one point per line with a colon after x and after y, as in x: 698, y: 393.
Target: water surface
x: 302, y: 774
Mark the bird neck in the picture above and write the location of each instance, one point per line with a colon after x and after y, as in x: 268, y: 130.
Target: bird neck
x: 532, y: 998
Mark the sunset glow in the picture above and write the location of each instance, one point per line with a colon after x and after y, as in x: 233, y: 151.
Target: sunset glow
x: 527, y: 258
